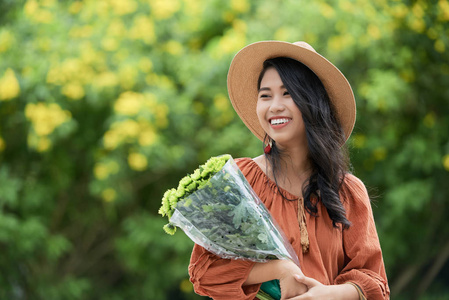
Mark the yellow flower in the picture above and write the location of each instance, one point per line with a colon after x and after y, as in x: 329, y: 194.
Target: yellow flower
x: 163, y: 9
x: 39, y: 14
x: 240, y: 6
x: 111, y: 139
x: 103, y: 170
x: 231, y: 41
x: 109, y: 44
x: 374, y: 32
x: 443, y: 6
x: 40, y: 143
x: 137, y: 161
x: 105, y: 79
x: 143, y: 29
x: 109, y: 194
x: 340, y: 42
x: 161, y: 112
x: 359, y: 140
x: 429, y: 120
x: 73, y: 91
x: 2, y: 144
x: 6, y: 40
x: 186, y: 286
x: 193, y: 8
x: 46, y: 118
x: 174, y: 47
x: 147, y: 137
x: 145, y: 64
x: 380, y: 153
x: 116, y: 28
x: 9, y: 86
x: 446, y: 162
x: 122, y: 7
x: 439, y: 46
x: 128, y: 128
x: 75, y: 7
x: 43, y: 144
x: 127, y: 75
x: 221, y: 102
x: 89, y: 55
x: 282, y: 34
x: 129, y: 103
x: 119, y: 132
x: 326, y: 10
x: 81, y: 32
x: 31, y: 7
x: 48, y: 3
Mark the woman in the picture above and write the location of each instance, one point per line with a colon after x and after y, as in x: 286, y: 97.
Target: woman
x: 303, y: 108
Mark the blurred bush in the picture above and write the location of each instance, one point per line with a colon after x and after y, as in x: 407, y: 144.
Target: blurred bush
x: 105, y: 104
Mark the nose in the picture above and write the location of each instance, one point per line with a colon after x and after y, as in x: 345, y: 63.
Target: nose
x: 277, y: 104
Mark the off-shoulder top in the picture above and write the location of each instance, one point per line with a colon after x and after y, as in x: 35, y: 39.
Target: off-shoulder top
x: 335, y: 256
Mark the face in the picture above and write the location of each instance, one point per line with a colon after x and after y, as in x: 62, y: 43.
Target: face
x: 278, y: 114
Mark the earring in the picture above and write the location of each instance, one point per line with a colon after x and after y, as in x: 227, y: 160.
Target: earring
x: 267, y: 148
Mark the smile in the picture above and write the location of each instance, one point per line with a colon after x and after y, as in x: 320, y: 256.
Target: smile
x: 279, y: 121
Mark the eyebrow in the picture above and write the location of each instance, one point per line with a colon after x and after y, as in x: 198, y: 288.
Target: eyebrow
x: 268, y: 89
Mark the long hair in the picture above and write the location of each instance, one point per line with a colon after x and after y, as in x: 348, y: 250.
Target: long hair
x: 325, y: 138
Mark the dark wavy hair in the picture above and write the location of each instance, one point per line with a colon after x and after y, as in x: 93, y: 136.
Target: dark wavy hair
x: 325, y: 137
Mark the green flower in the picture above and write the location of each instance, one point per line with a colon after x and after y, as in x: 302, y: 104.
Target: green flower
x: 185, y: 181
x: 165, y: 203
x: 180, y: 192
x: 191, y: 187
x: 196, y: 175
x: 173, y: 198
x: 170, y: 229
x: 188, y: 185
x: 206, y: 171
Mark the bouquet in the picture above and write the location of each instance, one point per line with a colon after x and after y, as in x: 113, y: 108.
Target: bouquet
x: 217, y: 208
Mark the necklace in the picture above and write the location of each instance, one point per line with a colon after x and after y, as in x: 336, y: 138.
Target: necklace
x: 303, y: 225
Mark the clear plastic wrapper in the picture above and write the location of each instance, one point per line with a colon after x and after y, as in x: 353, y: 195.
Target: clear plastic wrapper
x: 226, y: 217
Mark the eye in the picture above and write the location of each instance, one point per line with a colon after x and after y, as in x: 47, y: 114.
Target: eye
x: 264, y: 95
x: 286, y: 93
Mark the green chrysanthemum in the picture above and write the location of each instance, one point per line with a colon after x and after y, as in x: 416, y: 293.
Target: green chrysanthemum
x: 170, y: 229
x: 188, y: 185
x: 196, y: 175
x: 185, y: 181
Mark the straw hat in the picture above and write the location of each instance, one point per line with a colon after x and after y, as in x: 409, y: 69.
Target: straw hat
x: 248, y: 63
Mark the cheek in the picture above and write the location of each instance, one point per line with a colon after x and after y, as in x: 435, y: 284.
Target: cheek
x: 261, y: 111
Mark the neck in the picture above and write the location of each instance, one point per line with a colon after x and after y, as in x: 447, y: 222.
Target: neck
x: 294, y: 169
x: 295, y: 161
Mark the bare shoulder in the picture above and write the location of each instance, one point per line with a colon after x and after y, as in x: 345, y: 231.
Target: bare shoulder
x: 261, y: 161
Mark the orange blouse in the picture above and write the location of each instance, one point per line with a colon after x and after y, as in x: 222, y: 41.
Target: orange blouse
x: 334, y: 256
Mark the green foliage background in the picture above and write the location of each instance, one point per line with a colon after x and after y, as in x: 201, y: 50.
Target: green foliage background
x: 104, y: 104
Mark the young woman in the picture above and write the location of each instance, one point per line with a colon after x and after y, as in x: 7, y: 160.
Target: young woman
x: 303, y: 108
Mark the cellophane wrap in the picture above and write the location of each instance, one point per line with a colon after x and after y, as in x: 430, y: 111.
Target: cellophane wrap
x: 227, y: 218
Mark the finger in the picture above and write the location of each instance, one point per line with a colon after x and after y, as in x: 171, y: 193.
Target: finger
x: 301, y: 297
x: 308, y: 281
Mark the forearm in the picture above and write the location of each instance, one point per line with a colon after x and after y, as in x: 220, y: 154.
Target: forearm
x: 273, y: 269
x: 345, y: 291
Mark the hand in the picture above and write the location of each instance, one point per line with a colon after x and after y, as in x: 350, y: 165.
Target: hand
x: 290, y: 287
x: 317, y: 290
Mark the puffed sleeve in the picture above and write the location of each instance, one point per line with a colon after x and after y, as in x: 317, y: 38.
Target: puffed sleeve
x: 220, y: 278
x: 364, y: 264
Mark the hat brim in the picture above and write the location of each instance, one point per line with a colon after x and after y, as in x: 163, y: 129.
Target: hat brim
x: 248, y: 63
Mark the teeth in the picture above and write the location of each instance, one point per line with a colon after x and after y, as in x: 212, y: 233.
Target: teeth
x: 279, y: 121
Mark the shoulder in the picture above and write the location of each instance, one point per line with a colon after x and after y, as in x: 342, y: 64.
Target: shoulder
x: 246, y: 165
x: 354, y: 195
x: 250, y: 169
x: 353, y: 184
